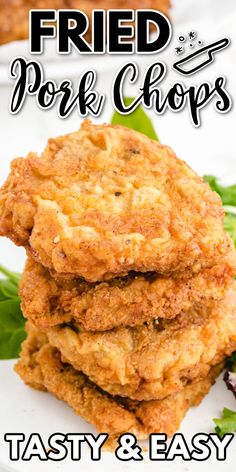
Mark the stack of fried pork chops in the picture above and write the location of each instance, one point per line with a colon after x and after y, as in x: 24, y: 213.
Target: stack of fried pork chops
x: 128, y: 287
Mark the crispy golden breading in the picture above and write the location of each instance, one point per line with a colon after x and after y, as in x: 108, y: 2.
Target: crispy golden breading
x: 153, y: 361
x: 41, y: 367
x: 128, y: 301
x: 107, y: 200
x: 14, y: 24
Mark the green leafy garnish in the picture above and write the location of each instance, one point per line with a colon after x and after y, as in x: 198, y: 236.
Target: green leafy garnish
x: 230, y: 226
x: 227, y: 422
x: 231, y: 363
x: 12, y: 322
x: 137, y: 120
x: 227, y: 194
x: 228, y: 197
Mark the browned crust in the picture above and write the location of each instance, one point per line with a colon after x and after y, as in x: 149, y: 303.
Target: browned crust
x: 151, y: 362
x: 41, y: 367
x: 130, y: 301
x: 14, y: 13
x: 106, y: 200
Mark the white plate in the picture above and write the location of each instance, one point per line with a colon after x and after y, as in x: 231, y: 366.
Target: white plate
x: 25, y: 410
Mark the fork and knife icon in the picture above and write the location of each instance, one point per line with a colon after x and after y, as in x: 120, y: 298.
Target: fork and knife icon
x: 201, y: 58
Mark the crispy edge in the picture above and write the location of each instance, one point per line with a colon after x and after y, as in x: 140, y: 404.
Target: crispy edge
x: 122, y: 302
x: 146, y: 363
x: 192, y: 230
x: 112, y: 415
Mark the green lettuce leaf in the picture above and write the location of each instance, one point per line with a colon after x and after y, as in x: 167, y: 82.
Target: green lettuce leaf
x: 137, y: 120
x: 228, y: 197
x: 227, y: 193
x: 227, y: 422
x: 12, y: 322
x: 230, y: 226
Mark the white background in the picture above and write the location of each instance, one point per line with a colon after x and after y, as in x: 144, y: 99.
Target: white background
x: 208, y: 149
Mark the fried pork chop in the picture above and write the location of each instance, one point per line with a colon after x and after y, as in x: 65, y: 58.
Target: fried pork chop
x: 152, y: 361
x: 41, y: 367
x: 107, y: 200
x: 127, y: 301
